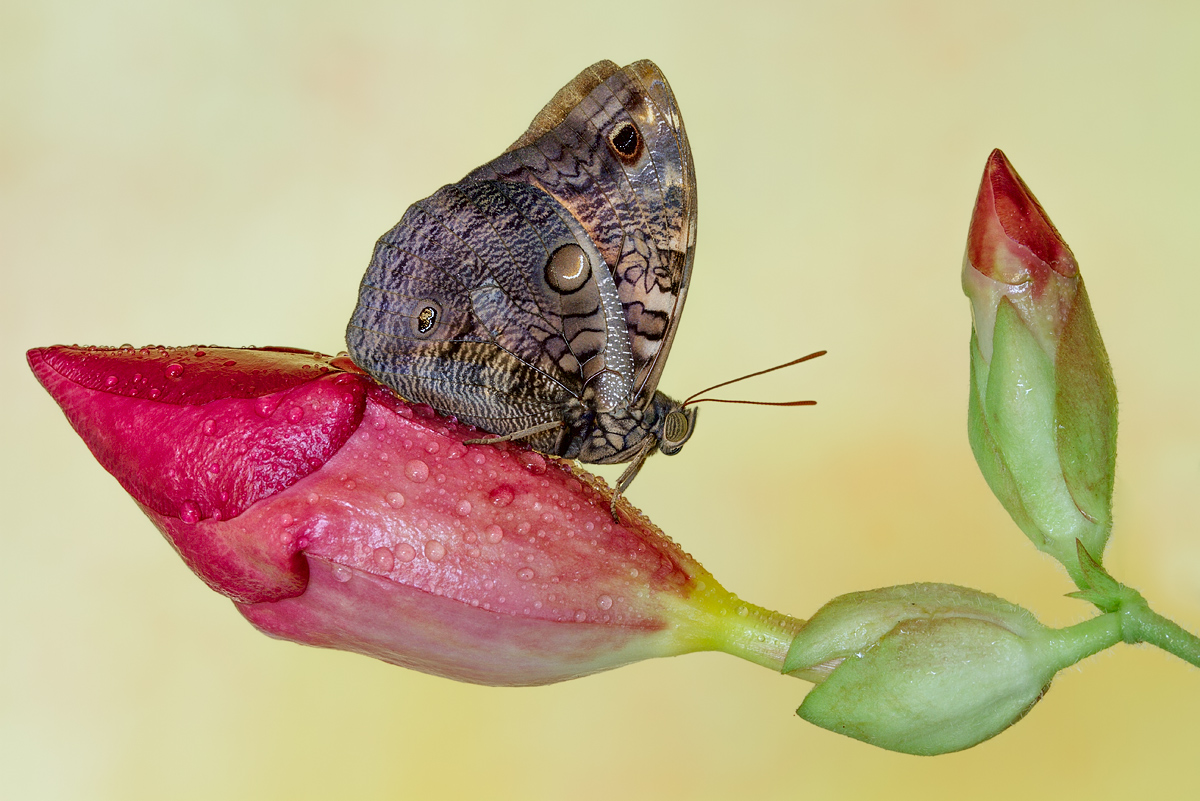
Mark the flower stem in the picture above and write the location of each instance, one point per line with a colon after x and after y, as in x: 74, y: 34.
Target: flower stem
x: 1140, y: 623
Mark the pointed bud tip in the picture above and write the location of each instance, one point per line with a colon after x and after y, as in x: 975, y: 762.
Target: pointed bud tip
x: 1007, y: 215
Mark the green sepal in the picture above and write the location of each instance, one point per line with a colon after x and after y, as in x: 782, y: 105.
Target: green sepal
x: 987, y: 454
x: 1086, y: 411
x: 1097, y: 587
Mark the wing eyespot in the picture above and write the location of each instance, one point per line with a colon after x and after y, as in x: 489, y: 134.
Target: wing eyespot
x: 626, y: 143
x: 427, y: 319
x: 568, y: 269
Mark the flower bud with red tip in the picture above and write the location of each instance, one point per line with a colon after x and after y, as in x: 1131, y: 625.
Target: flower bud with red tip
x: 334, y: 514
x: 1042, y: 415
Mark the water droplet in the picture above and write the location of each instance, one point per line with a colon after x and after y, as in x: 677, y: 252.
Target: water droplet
x: 174, y: 370
x: 229, y: 363
x: 432, y: 447
x: 395, y: 500
x: 286, y: 520
x: 580, y: 616
x: 604, y: 602
x: 208, y: 426
x: 743, y: 611
x: 350, y: 484
x: 384, y: 559
x: 111, y: 381
x: 341, y: 573
x: 199, y: 354
x: 434, y: 550
x: 295, y: 414
x: 463, y: 508
x: 494, y: 533
x: 189, y: 512
x: 633, y: 572
x: 416, y: 470
x: 155, y: 392
x: 405, y: 552
x: 533, y: 461
x: 502, y: 495
x: 264, y: 407
x: 313, y: 497
x: 525, y: 573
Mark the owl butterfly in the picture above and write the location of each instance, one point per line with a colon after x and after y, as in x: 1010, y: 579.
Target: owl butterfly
x: 537, y: 298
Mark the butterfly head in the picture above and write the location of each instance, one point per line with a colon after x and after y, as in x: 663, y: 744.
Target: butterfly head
x: 677, y: 426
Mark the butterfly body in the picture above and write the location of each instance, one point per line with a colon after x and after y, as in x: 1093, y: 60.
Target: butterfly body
x: 538, y: 297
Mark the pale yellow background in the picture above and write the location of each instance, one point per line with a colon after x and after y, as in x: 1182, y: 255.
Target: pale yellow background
x: 217, y: 171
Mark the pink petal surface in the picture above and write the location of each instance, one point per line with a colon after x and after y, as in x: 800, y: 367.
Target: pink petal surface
x: 335, y: 514
x: 1008, y: 217
x: 1014, y: 252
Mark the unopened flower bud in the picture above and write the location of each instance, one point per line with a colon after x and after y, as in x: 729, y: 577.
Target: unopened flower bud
x: 930, y: 668
x: 1042, y: 416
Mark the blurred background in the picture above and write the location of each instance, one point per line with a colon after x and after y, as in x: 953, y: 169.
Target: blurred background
x: 216, y: 172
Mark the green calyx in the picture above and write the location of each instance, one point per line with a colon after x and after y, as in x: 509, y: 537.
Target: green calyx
x: 1043, y: 430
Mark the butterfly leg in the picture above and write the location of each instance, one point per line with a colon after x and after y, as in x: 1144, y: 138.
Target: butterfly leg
x: 648, y: 445
x: 528, y: 432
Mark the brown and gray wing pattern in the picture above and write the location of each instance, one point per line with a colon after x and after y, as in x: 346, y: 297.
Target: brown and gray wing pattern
x: 546, y: 285
x: 640, y: 210
x: 456, y: 311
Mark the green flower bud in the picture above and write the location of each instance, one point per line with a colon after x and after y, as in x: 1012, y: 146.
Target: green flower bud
x: 931, y: 668
x: 1042, y: 417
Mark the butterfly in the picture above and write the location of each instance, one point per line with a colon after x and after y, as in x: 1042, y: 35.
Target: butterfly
x: 538, y: 297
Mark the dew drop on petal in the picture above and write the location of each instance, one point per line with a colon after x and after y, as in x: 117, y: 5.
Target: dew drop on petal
x: 502, y: 495
x: 384, y: 559
x: 533, y: 461
x: 525, y: 573
x: 174, y: 370
x: 405, y: 552
x: 434, y: 550
x: 395, y: 500
x: 111, y: 381
x: 295, y: 414
x: 463, y: 508
x: 189, y: 512
x: 494, y: 533
x: 341, y: 573
x: 580, y: 616
x: 604, y: 602
x: 416, y: 470
x: 432, y: 447
x: 208, y: 427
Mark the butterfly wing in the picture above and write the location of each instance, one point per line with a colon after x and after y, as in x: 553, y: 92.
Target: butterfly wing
x: 639, y: 208
x: 548, y: 282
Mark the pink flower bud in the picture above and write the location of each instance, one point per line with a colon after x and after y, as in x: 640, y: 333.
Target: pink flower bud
x: 336, y: 515
x: 1042, y: 418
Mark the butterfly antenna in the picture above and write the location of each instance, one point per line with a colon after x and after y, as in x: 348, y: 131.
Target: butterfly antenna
x: 695, y: 397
